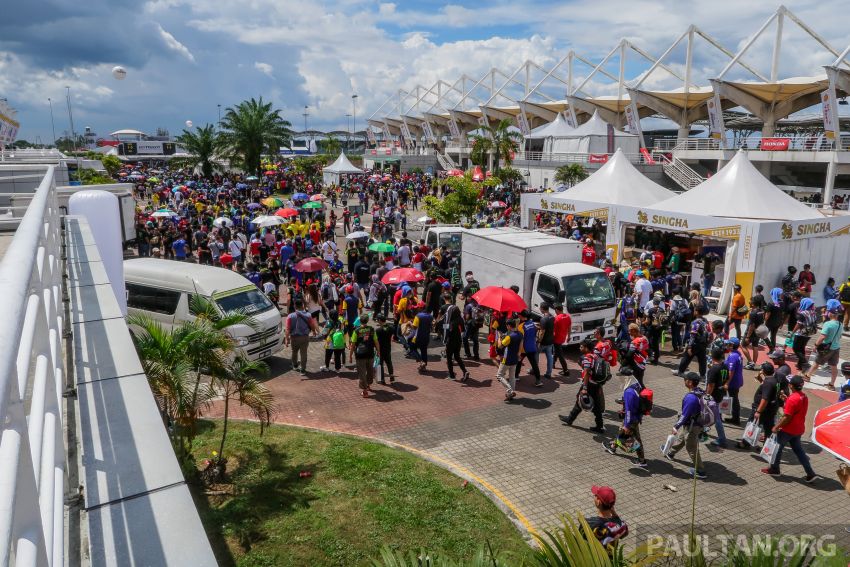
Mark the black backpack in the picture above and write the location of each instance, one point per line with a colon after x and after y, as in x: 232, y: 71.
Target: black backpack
x: 600, y: 372
x: 844, y: 293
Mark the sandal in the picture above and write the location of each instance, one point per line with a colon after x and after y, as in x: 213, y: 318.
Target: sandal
x: 830, y: 387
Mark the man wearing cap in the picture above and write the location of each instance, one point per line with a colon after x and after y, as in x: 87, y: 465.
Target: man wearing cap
x: 588, y: 253
x: 691, y: 411
x: 607, y: 527
x: 782, y: 370
x: 593, y: 390
x: 766, y: 400
x: 735, y: 378
x: 790, y: 429
x: 827, y: 347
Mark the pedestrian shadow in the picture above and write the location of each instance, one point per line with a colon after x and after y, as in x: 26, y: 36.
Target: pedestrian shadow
x: 532, y: 403
x: 548, y: 387
x: 716, y: 472
x: 385, y: 396
x: 473, y: 383
x: 662, y: 412
x: 403, y: 387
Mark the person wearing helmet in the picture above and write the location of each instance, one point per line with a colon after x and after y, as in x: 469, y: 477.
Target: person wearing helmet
x: 689, y: 419
x: 844, y: 388
x: 735, y: 378
x: 590, y: 396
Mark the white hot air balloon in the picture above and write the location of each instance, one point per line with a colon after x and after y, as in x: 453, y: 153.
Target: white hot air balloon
x: 119, y: 72
x: 189, y: 124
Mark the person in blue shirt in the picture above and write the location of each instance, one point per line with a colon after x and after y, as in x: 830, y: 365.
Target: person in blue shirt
x: 422, y: 323
x: 509, y: 348
x: 689, y: 419
x: 829, y: 291
x: 628, y: 437
x: 529, y: 344
x: 735, y: 379
x: 286, y: 252
x: 179, y: 247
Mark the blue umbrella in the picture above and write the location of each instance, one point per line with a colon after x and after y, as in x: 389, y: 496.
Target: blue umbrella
x: 300, y: 197
x: 241, y: 186
x: 176, y: 190
x: 253, y: 206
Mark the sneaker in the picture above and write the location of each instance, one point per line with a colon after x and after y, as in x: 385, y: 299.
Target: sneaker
x: 668, y: 456
x: 609, y: 448
x: 718, y: 443
x: 538, y: 384
x: 731, y: 421
x: 465, y: 376
x: 676, y: 372
x: 641, y: 464
x: 597, y: 429
x: 323, y: 369
x: 564, y: 373
x: 547, y: 376
x: 700, y: 475
x: 770, y: 471
x: 810, y: 478
x: 619, y: 401
x: 750, y: 366
x: 566, y: 419
x: 392, y: 378
x: 365, y: 393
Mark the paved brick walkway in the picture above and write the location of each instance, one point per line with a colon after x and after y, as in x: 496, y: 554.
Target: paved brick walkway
x: 540, y: 468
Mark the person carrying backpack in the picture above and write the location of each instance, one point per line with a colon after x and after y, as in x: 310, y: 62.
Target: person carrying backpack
x: 680, y: 316
x: 697, y: 344
x: 364, y: 344
x: 844, y: 298
x: 689, y: 426
x: 656, y: 321
x: 805, y: 327
x: 635, y: 406
x: 627, y: 310
x: 594, y: 373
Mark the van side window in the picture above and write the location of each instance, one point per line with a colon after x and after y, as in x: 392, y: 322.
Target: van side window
x: 547, y: 288
x: 432, y: 240
x: 152, y: 299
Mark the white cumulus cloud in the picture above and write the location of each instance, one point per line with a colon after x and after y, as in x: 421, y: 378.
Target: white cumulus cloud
x: 174, y: 45
x: 264, y: 68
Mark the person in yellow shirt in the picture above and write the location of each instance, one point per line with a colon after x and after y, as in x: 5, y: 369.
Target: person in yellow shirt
x: 737, y: 311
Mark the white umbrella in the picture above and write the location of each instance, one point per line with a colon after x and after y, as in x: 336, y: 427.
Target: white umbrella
x: 164, y: 214
x: 426, y: 218
x: 222, y: 222
x: 268, y: 221
x: 357, y: 234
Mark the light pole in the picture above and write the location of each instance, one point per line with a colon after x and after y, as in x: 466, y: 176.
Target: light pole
x: 71, y: 116
x: 52, y: 124
x: 219, y: 117
x: 305, y: 114
x: 348, y: 127
x: 354, y: 118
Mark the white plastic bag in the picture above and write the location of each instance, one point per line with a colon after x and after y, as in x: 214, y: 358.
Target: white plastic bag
x: 770, y: 450
x: 725, y: 405
x: 671, y: 440
x: 752, y: 433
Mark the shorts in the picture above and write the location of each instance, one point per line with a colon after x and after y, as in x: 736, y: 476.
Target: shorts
x: 830, y: 358
x: 753, y: 341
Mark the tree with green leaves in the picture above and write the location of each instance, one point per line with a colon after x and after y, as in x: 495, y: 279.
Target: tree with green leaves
x: 570, y: 174
x: 111, y: 164
x: 331, y: 145
x: 460, y: 204
x: 201, y: 146
x: 499, y: 141
x: 249, y: 130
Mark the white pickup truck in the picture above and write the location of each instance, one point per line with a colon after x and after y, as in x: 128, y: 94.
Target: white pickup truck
x: 547, y: 269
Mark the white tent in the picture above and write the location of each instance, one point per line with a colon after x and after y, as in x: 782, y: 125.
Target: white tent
x: 331, y: 173
x: 739, y: 190
x: 592, y: 138
x: 618, y: 182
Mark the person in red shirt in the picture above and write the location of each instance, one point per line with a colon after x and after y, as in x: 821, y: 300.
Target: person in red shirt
x: 563, y: 324
x: 657, y: 259
x: 790, y: 429
x: 588, y: 253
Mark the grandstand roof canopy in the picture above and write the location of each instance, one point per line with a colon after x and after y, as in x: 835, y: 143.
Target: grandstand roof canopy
x: 782, y: 90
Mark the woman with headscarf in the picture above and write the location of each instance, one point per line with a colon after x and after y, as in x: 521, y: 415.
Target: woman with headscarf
x: 774, y: 315
x: 805, y: 327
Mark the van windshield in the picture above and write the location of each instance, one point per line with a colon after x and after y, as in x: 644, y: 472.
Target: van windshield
x: 588, y: 291
x: 451, y: 240
x: 251, y: 301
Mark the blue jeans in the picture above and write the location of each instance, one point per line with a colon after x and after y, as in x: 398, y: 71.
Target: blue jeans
x: 549, y: 352
x: 797, y: 447
x: 707, y: 282
x: 718, y: 425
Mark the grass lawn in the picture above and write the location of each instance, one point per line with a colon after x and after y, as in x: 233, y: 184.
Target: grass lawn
x: 361, y: 495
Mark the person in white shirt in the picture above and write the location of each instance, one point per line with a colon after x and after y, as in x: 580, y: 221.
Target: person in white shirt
x: 404, y: 255
x: 643, y: 289
x: 235, y: 248
x: 328, y: 249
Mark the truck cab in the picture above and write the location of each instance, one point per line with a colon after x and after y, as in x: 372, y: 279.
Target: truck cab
x: 450, y: 236
x: 584, y: 291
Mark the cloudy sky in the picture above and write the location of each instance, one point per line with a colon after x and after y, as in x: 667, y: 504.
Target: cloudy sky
x: 185, y: 57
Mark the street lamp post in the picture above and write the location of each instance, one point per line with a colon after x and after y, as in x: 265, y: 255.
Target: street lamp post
x: 219, y: 117
x: 71, y: 116
x: 354, y: 118
x: 348, y: 128
x: 305, y: 114
x: 52, y: 124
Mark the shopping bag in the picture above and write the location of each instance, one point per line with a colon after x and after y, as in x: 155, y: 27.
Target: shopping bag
x: 752, y: 433
x: 725, y: 405
x: 376, y: 362
x: 671, y: 440
x: 770, y: 450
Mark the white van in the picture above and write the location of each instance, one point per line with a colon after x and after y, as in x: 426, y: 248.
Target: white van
x: 161, y: 289
x: 448, y: 235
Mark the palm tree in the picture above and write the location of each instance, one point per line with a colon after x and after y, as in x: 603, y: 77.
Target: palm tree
x: 250, y: 129
x: 497, y: 140
x: 238, y: 383
x: 201, y: 146
x: 332, y: 146
x: 570, y: 174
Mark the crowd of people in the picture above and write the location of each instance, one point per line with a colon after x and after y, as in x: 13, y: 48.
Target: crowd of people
x: 352, y: 302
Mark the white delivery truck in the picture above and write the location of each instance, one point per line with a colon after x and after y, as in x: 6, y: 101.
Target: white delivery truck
x: 547, y: 269
x: 448, y: 235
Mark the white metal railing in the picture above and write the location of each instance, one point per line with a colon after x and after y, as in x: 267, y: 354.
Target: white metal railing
x: 572, y: 157
x: 445, y: 161
x: 680, y: 172
x: 32, y: 456
x: 814, y: 143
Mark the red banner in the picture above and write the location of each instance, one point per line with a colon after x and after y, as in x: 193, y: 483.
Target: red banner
x: 775, y: 144
x: 647, y: 157
x: 388, y: 151
x: 374, y: 152
x: 597, y: 158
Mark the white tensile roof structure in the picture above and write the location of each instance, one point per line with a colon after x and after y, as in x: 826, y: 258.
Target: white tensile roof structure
x: 739, y: 190
x: 341, y: 165
x: 558, y: 128
x: 618, y: 182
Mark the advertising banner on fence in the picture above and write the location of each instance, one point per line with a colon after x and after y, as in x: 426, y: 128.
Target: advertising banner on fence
x: 522, y: 123
x: 453, y: 129
x: 597, y: 158
x: 775, y: 144
x: 715, y: 119
x: 633, y: 120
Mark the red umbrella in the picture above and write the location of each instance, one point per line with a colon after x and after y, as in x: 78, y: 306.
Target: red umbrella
x: 498, y: 204
x: 270, y: 172
x: 311, y: 265
x: 454, y: 173
x: 285, y: 213
x: 499, y: 299
x: 477, y: 174
x: 318, y: 197
x: 832, y: 429
x: 399, y: 275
